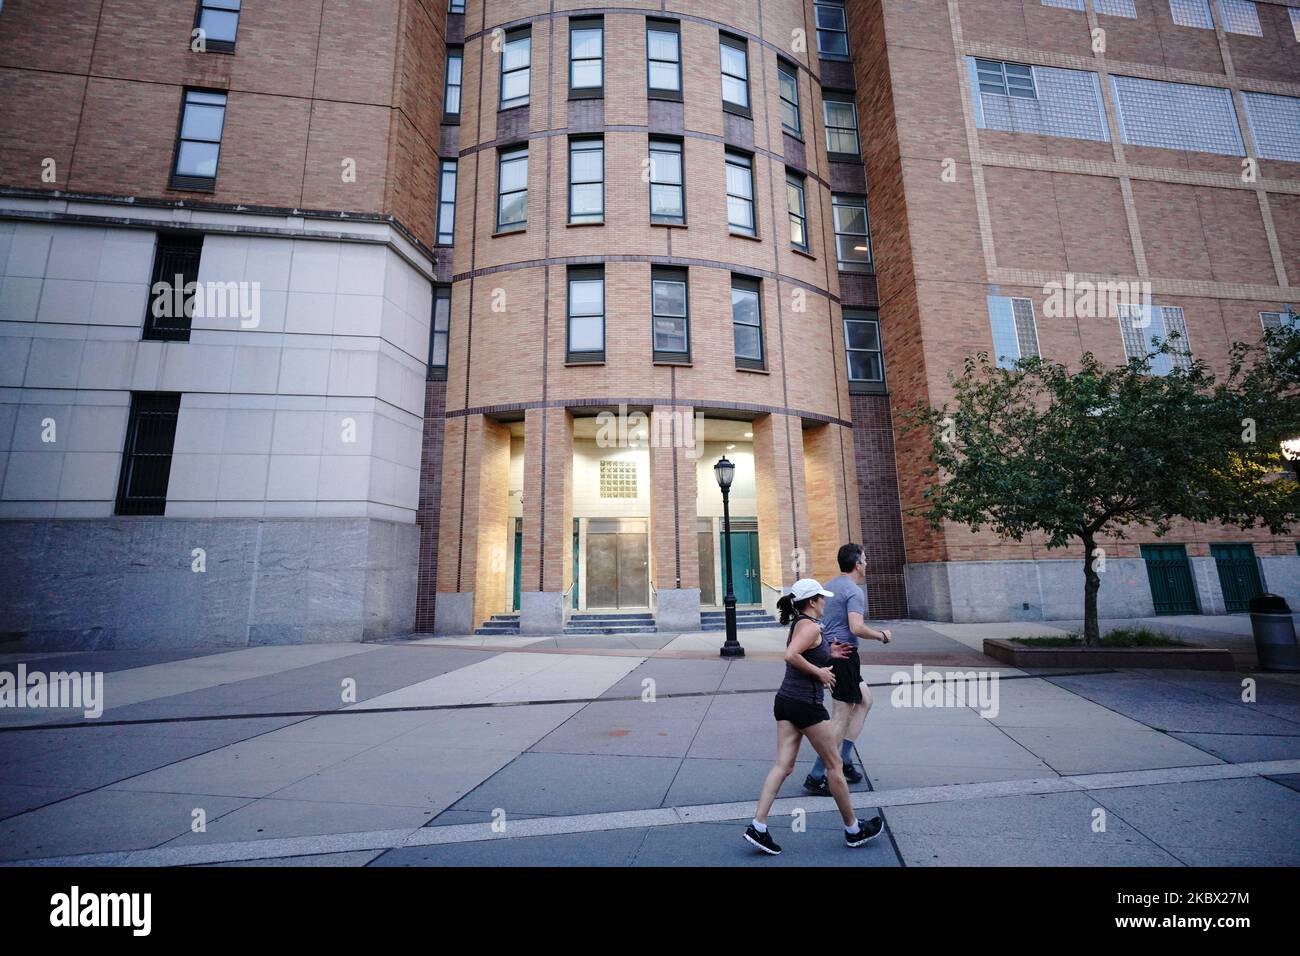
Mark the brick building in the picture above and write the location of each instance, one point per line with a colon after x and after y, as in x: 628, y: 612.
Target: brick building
x: 343, y: 319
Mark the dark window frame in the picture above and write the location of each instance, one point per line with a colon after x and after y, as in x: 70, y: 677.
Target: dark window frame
x: 456, y: 7
x: 586, y: 144
x: 453, y: 52
x: 514, y: 36
x: 753, y: 285
x: 184, y: 181
x: 740, y: 45
x: 670, y: 274
x: 862, y: 386
x: 169, y: 247
x: 663, y: 26
x: 819, y: 30
x: 584, y: 274
x: 667, y: 144
x: 734, y: 157
x: 800, y: 182
x: 786, y: 69
x: 163, y: 408
x: 511, y: 154
x: 846, y: 97
x: 587, y: 92
x: 216, y: 46
x: 854, y: 200
x: 438, y: 373
x: 451, y: 166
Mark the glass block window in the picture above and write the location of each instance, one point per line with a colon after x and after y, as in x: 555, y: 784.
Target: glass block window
x: 1141, y: 325
x: 1116, y: 8
x: 747, y: 321
x: 617, y: 478
x: 1015, y: 335
x: 1176, y: 116
x: 586, y: 180
x: 1240, y: 16
x: 441, y: 327
x: 1294, y: 14
x: 1275, y: 124
x: 852, y: 239
x: 1276, y: 320
x: 516, y: 63
x: 1064, y: 4
x: 788, y: 79
x: 447, y: 203
x: 740, y: 194
x: 455, y: 68
x: 866, y: 362
x: 832, y: 28
x: 667, y: 192
x: 1018, y: 98
x: 670, y: 318
x: 841, y: 125
x: 1192, y: 13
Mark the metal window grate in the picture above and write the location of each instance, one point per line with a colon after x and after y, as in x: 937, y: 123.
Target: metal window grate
x: 617, y: 478
x: 171, y: 291
x: 147, y: 457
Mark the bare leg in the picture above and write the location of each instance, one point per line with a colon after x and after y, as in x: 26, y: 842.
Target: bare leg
x: 857, y: 715
x: 787, y: 749
x: 826, y: 741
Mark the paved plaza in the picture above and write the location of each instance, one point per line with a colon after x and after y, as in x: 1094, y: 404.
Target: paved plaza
x: 644, y: 750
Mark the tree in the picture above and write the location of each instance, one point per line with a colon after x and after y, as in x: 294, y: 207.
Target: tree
x: 1101, y: 450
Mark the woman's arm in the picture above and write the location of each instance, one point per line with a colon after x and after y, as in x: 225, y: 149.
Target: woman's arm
x: 806, y: 636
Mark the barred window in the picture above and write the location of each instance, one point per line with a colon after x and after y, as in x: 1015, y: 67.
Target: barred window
x: 171, y: 296
x: 1116, y: 8
x: 1015, y: 334
x: 147, y: 456
x: 1176, y: 116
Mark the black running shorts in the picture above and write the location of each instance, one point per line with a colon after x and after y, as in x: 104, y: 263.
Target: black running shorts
x: 848, y: 678
x: 800, y: 713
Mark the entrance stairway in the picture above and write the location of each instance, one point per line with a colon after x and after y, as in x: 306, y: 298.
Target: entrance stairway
x: 747, y: 619
x: 611, y: 622
x: 500, y: 624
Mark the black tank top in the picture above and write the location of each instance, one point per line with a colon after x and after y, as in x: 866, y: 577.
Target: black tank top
x: 800, y: 685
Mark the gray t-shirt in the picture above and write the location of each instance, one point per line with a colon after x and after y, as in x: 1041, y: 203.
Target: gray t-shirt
x: 835, y: 619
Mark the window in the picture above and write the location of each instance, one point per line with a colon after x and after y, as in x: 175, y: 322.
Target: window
x: 447, y: 203
x: 1116, y: 8
x: 841, y: 126
x: 852, y: 238
x: 516, y: 58
x: 586, y: 315
x: 798, y: 207
x: 1018, y: 98
x: 1140, y: 324
x: 171, y: 296
x: 747, y: 321
x: 1015, y: 336
x: 671, y: 323
x: 1192, y: 13
x: 219, y: 21
x: 1176, y: 116
x: 788, y: 81
x: 832, y: 29
x: 667, y: 192
x: 512, y: 189
x: 455, y: 70
x: 147, y: 456
x: 1064, y: 4
x: 1276, y: 320
x: 1240, y: 16
x: 198, y: 145
x: 1294, y: 14
x: 586, y: 180
x: 439, y: 328
x: 586, y: 57
x: 866, y: 362
x: 740, y: 194
x: 456, y: 6
x: 1275, y: 124
x: 735, y: 74
x: 664, y: 58
x: 617, y: 478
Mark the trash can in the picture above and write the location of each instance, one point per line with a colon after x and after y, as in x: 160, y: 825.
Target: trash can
x: 1270, y: 619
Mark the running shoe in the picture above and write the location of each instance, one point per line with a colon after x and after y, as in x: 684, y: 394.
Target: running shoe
x: 851, y: 775
x: 867, y: 830
x: 763, y: 841
x: 818, y: 788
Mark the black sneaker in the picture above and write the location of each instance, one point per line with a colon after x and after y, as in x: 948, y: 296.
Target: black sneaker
x: 818, y: 788
x: 851, y: 774
x: 763, y: 841
x: 867, y: 830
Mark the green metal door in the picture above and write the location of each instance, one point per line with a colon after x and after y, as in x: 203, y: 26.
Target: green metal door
x: 744, y: 567
x: 1238, y: 575
x: 1171, y: 578
x: 519, y: 551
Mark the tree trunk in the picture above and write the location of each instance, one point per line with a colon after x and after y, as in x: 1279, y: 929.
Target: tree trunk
x: 1092, y: 584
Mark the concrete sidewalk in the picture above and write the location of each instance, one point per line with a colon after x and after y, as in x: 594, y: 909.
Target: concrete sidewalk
x: 590, y: 751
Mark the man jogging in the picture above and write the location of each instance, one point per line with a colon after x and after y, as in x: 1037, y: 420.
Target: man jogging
x: 844, y: 622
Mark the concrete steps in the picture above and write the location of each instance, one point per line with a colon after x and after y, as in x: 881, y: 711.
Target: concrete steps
x: 611, y: 622
x: 747, y: 619
x: 499, y: 625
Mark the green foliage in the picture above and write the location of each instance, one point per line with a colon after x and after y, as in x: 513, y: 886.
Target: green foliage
x: 1120, y: 637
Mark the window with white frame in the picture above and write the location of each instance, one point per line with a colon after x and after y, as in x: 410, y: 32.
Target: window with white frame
x: 1176, y: 116
x: 1240, y: 16
x: 1020, y: 98
x: 1015, y: 334
x: 1192, y: 13
x: 1143, y: 327
x: 832, y: 28
x: 841, y: 115
x: 852, y: 237
x: 516, y: 63
x: 447, y: 203
x: 1275, y: 123
x: 865, y: 360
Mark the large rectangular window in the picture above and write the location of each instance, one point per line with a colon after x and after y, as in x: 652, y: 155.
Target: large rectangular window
x: 586, y: 339
x: 1015, y: 334
x: 735, y: 73
x: 147, y: 456
x: 198, y: 143
x: 171, y: 307
x: 512, y: 189
x: 852, y: 237
x: 841, y: 126
x: 456, y: 6
x: 1019, y: 98
x: 439, y: 331
x: 1275, y: 123
x: 1192, y: 13
x: 740, y: 194
x: 451, y: 93
x: 863, y: 355
x: 670, y: 314
x: 1240, y: 16
x: 747, y: 321
x: 516, y: 62
x: 586, y: 57
x: 586, y: 180
x: 832, y: 28
x: 1276, y: 320
x: 219, y: 21
x: 1116, y: 8
x: 447, y: 203
x: 1176, y: 116
x: 1140, y: 326
x: 664, y: 58
x: 788, y: 80
x: 797, y: 205
x: 667, y: 182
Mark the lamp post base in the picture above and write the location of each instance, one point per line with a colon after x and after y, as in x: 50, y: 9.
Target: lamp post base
x: 732, y: 646
x: 731, y: 650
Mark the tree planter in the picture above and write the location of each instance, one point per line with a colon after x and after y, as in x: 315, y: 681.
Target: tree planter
x: 1186, y: 658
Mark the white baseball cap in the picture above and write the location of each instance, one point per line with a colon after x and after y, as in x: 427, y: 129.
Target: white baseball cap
x: 805, y: 588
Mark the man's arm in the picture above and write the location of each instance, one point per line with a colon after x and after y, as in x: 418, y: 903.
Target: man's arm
x: 860, y: 628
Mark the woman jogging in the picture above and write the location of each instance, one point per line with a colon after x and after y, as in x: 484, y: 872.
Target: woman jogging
x: 799, y: 713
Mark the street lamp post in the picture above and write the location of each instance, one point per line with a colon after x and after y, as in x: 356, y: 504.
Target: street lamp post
x: 725, y: 470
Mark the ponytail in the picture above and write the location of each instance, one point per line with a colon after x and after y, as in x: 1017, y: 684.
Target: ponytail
x: 788, y: 607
